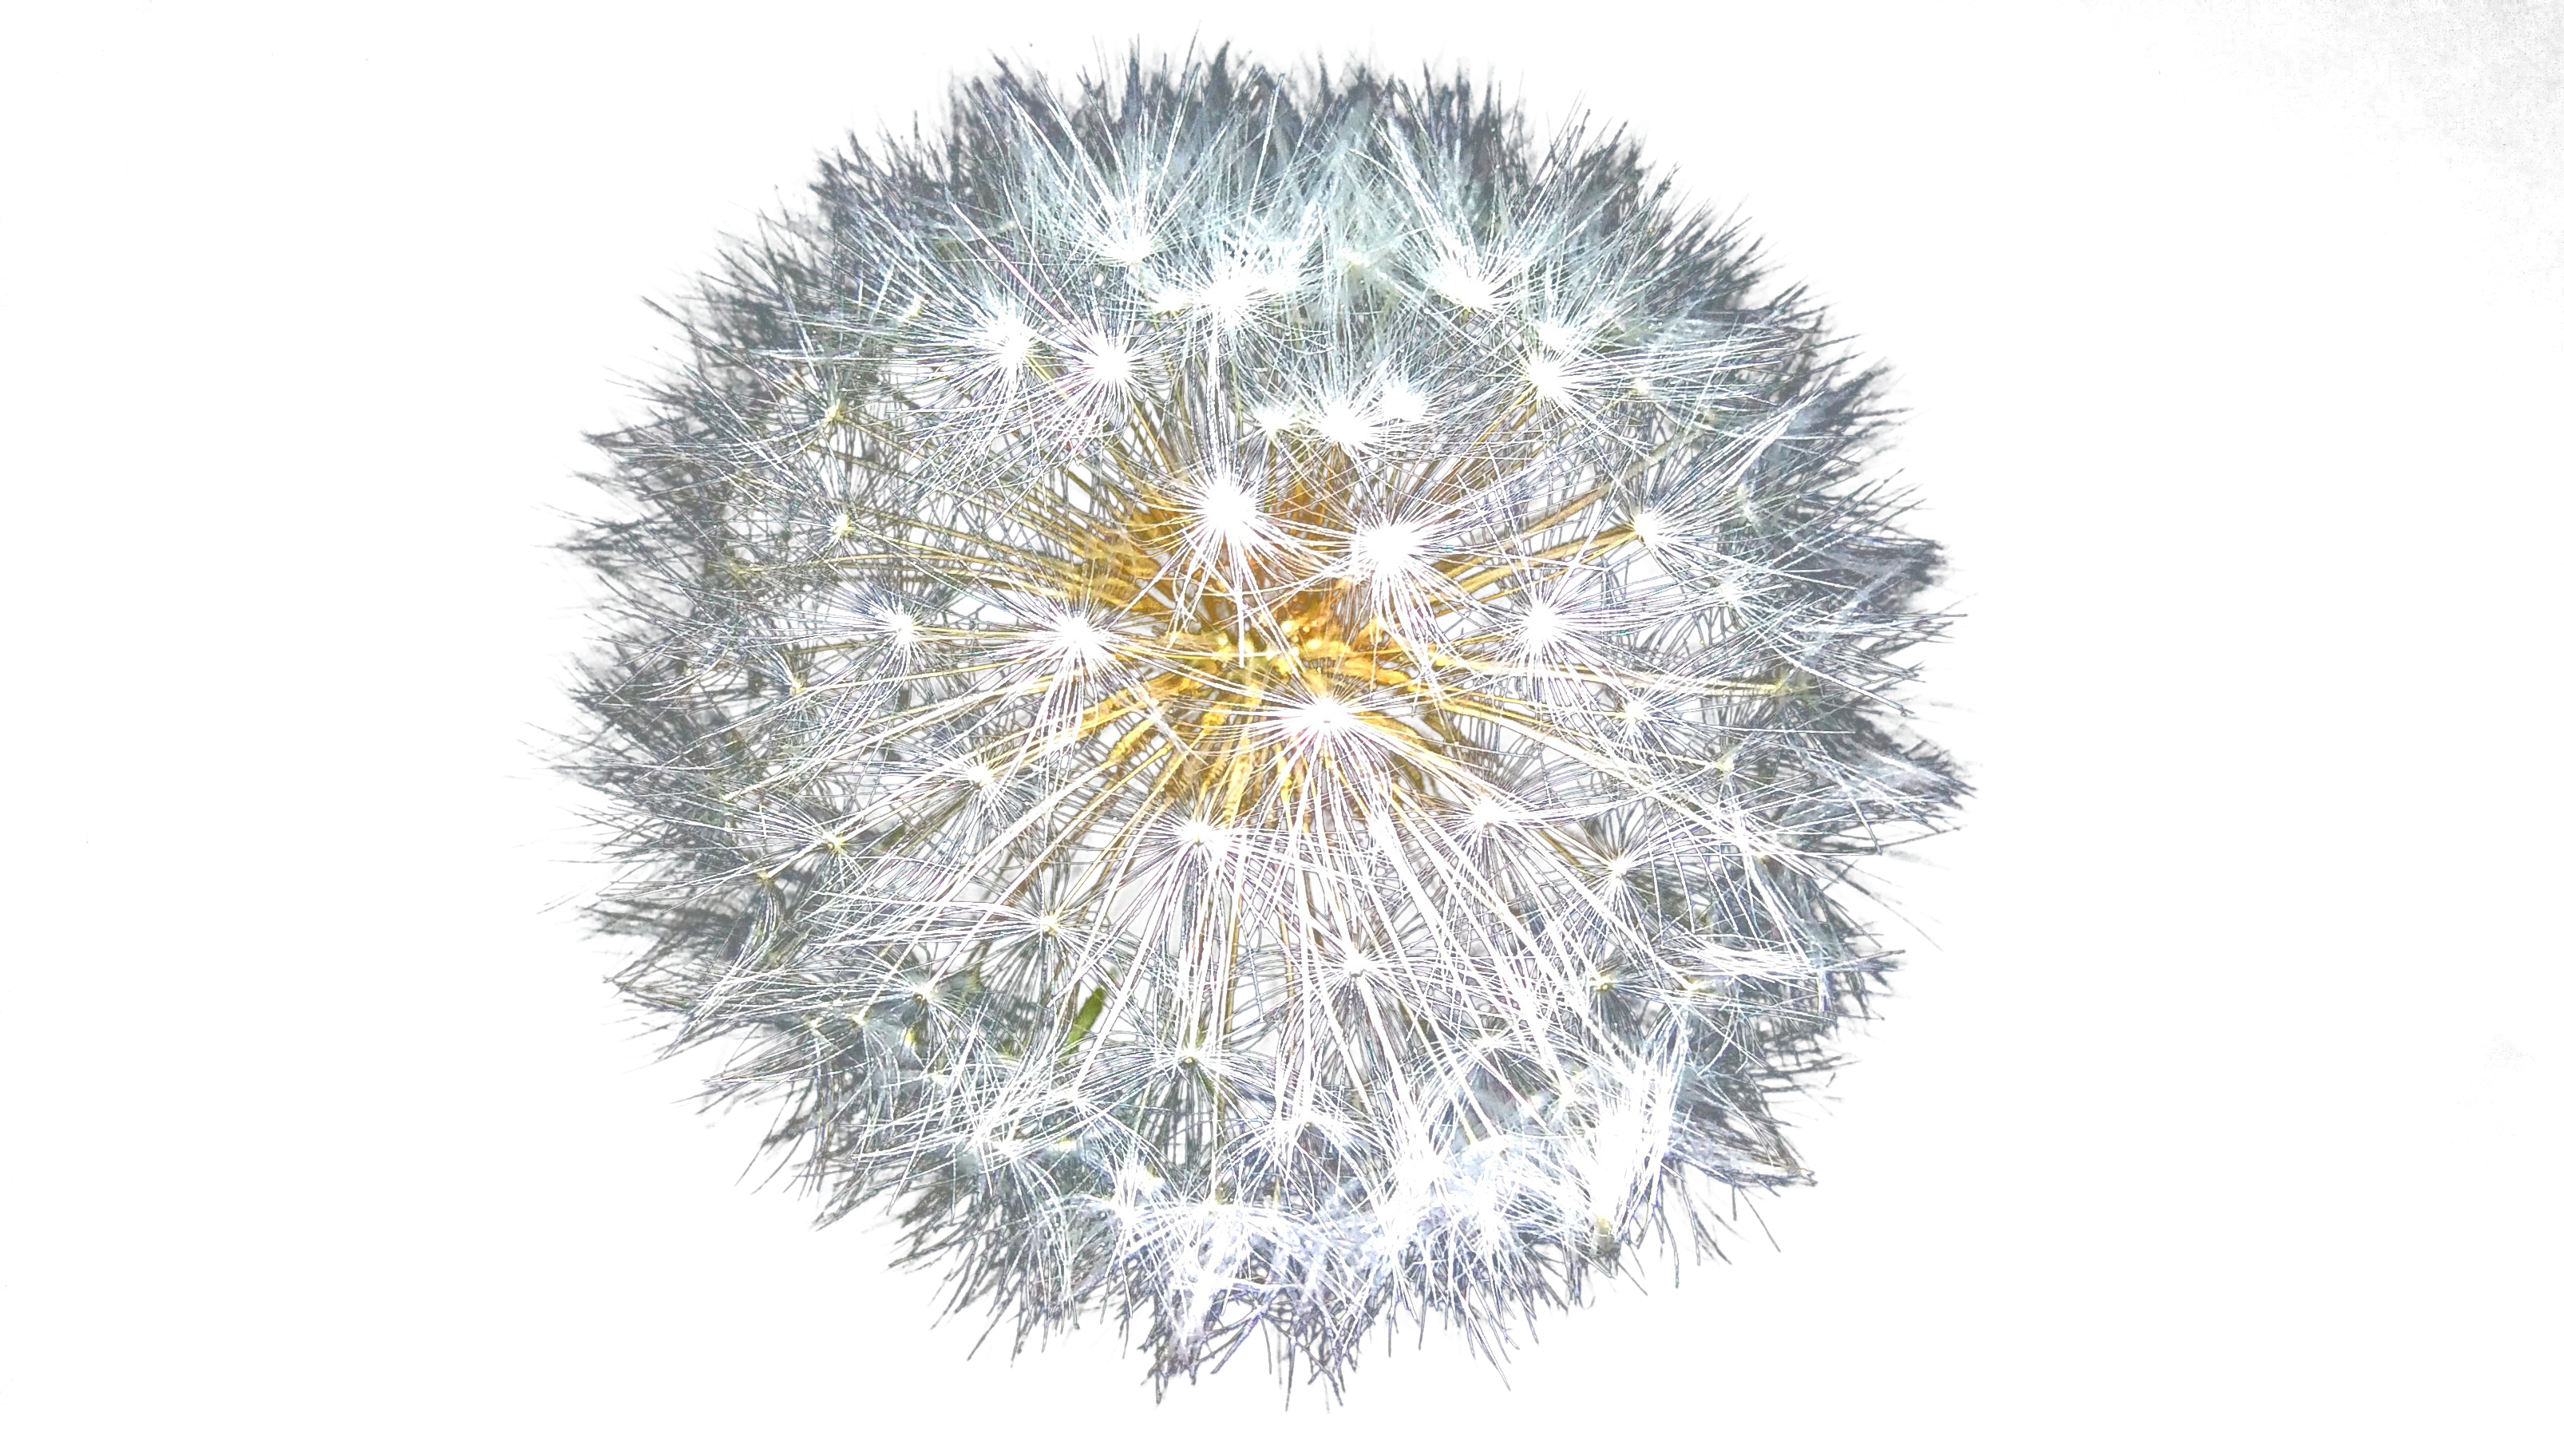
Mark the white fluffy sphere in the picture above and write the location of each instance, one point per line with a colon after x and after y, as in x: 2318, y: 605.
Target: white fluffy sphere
x: 1246, y: 694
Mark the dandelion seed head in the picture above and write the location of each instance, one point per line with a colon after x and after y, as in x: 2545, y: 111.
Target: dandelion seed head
x: 1386, y: 552
x: 1321, y: 718
x: 1246, y: 729
x: 1129, y: 245
x: 1209, y: 840
x: 1238, y: 285
x: 1466, y: 281
x: 1227, y: 514
x: 1544, y: 625
x: 1343, y: 424
x: 1108, y: 363
x: 1401, y: 403
x: 1009, y: 341
x: 900, y: 625
x: 1075, y: 638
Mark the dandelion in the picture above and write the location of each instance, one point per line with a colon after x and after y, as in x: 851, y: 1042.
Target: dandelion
x: 1245, y: 696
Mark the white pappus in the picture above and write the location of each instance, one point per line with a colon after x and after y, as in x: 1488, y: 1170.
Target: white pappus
x: 1250, y: 696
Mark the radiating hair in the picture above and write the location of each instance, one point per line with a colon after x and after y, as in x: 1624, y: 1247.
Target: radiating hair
x: 1250, y: 696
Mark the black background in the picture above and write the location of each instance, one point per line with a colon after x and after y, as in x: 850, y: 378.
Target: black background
x: 1942, y: 144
